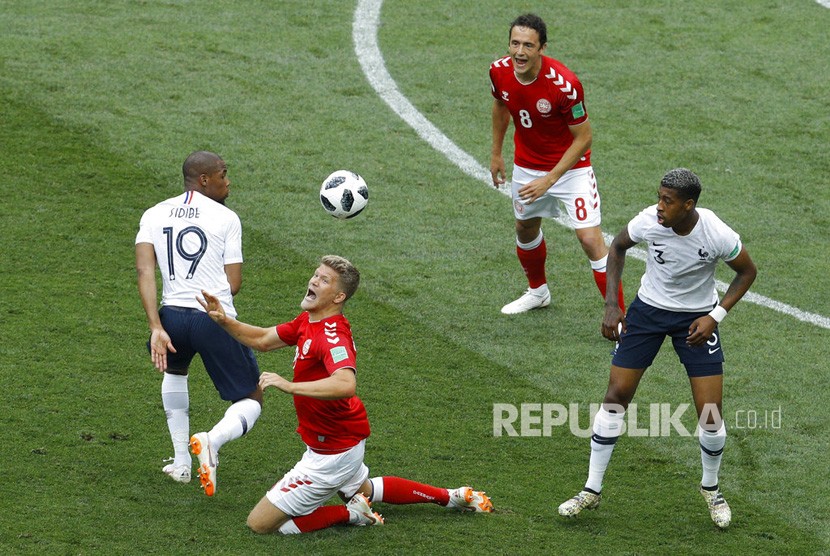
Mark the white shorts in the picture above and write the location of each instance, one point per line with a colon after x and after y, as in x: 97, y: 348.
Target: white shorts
x: 576, y: 189
x: 316, y: 478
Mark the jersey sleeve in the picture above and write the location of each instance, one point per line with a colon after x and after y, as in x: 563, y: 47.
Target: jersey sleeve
x: 233, y: 241
x: 144, y: 234
x: 289, y: 332
x: 728, y: 241
x: 339, y: 357
x: 639, y: 224
x: 571, y: 97
x: 338, y: 351
x: 495, y: 69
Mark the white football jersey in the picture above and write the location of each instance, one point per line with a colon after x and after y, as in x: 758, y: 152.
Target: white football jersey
x: 680, y: 270
x: 194, y: 237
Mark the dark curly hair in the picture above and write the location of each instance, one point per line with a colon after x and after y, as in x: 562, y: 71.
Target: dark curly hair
x: 684, y: 181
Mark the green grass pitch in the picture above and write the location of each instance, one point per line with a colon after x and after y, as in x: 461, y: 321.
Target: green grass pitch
x: 101, y: 101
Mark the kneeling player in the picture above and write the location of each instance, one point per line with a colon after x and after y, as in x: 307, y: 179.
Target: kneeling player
x: 332, y: 419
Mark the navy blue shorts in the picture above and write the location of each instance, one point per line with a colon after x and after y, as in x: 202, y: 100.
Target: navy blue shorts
x: 647, y: 327
x: 231, y: 365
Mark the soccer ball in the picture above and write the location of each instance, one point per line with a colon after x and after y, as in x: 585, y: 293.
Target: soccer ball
x: 344, y: 194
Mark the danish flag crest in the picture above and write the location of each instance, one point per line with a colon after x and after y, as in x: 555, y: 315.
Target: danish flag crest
x: 563, y: 84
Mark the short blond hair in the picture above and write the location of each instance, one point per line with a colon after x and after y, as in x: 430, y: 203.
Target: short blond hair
x: 347, y: 275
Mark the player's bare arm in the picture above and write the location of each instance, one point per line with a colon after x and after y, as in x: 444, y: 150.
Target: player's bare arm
x: 616, y: 262
x: 160, y: 343
x: 745, y: 271
x: 582, y: 139
x: 341, y: 384
x: 501, y: 121
x: 256, y: 337
x: 234, y: 274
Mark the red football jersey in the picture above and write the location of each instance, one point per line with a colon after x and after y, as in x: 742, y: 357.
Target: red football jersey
x: 324, y: 347
x: 541, y: 111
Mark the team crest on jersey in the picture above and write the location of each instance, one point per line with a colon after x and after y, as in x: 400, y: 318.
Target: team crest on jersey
x: 543, y: 106
x: 306, y: 347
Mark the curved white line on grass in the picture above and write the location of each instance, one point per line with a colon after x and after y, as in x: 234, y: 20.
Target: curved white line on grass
x: 364, y: 34
x: 365, y: 37
x: 825, y: 3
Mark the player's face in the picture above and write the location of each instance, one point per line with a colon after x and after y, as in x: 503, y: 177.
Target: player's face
x: 526, y: 53
x: 672, y: 209
x: 217, y: 185
x: 324, y: 291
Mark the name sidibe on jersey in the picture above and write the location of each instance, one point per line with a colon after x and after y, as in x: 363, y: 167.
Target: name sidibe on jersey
x: 184, y: 212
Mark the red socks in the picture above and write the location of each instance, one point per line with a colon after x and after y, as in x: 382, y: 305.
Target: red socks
x: 404, y: 491
x: 533, y: 263
x: 321, y: 518
x: 600, y: 279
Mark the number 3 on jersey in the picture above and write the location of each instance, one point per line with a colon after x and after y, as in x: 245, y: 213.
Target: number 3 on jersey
x: 194, y: 257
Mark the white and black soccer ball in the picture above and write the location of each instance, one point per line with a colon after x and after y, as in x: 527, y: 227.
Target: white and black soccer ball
x: 344, y: 194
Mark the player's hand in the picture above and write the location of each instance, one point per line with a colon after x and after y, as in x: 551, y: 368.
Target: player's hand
x: 613, y: 323
x: 213, y: 306
x: 531, y: 191
x: 497, y: 171
x: 160, y: 344
x: 701, y: 330
x: 275, y: 380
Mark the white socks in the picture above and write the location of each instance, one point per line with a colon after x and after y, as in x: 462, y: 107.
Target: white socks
x: 176, y: 402
x: 711, y: 453
x: 238, y: 419
x: 289, y: 528
x: 607, y: 428
x: 377, y: 489
x: 600, y: 265
x: 530, y: 246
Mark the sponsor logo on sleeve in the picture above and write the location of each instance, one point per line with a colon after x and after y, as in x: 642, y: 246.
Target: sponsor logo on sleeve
x: 577, y: 110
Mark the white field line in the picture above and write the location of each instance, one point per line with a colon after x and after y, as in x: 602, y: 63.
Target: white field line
x: 364, y: 35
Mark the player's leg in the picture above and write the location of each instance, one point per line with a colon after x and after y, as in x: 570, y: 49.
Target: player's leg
x: 530, y: 243
x: 708, y: 392
x: 607, y: 427
x: 295, y: 503
x: 636, y: 350
x: 532, y: 253
x: 174, y: 394
x: 577, y: 189
x: 396, y: 490
x: 593, y: 244
x: 704, y: 365
x: 176, y: 402
x: 266, y: 518
x: 235, y: 374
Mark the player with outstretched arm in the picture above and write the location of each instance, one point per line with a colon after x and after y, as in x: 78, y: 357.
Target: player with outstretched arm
x: 332, y: 419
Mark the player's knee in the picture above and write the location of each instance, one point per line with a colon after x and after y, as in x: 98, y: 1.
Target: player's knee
x: 256, y: 526
x: 528, y: 230
x: 616, y: 398
x: 261, y: 524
